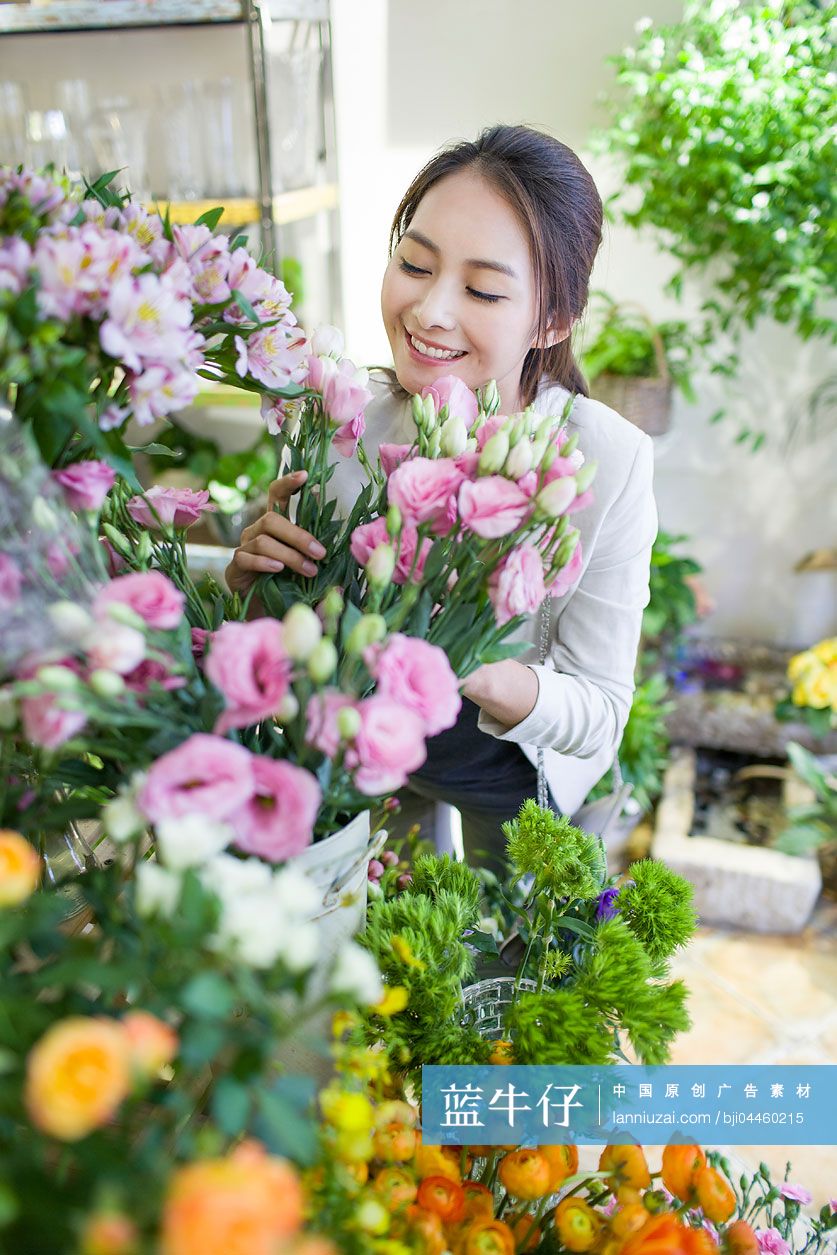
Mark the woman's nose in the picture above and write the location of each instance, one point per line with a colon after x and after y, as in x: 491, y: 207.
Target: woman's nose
x: 436, y: 308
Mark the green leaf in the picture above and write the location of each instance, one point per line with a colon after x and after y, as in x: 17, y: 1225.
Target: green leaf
x: 231, y: 1106
x: 576, y: 926
x: 251, y: 314
x: 201, y: 1043
x: 209, y: 996
x: 486, y: 943
x: 284, y: 1122
x: 211, y: 218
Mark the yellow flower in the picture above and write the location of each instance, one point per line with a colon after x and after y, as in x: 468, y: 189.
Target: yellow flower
x: 394, y: 1000
x: 76, y: 1076
x: 405, y: 954
x: 20, y: 868
x: 347, y: 1112
x: 826, y: 651
x: 800, y: 664
x: 109, y: 1233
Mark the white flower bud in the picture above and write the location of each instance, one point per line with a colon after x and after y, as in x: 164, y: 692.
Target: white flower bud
x: 418, y: 412
x: 157, y: 890
x: 144, y: 548
x: 322, y: 661
x: 585, y: 476
x: 555, y: 497
x: 70, y: 621
x: 348, y: 723
x: 301, y: 631
x: 490, y: 397
x: 333, y: 603
x: 120, y: 613
x: 494, y: 453
x: 119, y: 541
x: 121, y: 818
x: 327, y: 341
x: 106, y: 683
x: 453, y: 438
x: 380, y: 566
x: 569, y: 446
x: 519, y: 461
x: 190, y: 840
x: 115, y: 647
x: 429, y: 408
x: 434, y: 443
x: 394, y: 522
x: 288, y: 709
x: 368, y: 630
x: 44, y: 517
x: 58, y: 679
x: 355, y: 972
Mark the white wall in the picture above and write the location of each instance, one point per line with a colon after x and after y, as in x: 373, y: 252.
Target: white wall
x: 410, y: 77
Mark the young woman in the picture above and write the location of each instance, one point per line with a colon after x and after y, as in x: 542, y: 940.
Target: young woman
x: 490, y: 259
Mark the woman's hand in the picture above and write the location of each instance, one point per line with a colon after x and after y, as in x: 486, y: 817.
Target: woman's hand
x: 507, y: 691
x: 273, y: 542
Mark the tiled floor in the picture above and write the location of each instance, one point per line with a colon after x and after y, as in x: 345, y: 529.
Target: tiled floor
x: 767, y: 999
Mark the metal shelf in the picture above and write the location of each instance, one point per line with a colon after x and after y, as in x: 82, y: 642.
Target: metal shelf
x: 293, y: 206
x: 59, y: 16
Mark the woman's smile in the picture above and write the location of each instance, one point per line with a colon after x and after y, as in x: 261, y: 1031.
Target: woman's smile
x: 426, y: 351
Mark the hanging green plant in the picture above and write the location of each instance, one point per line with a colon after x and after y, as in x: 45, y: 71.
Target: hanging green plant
x: 724, y: 126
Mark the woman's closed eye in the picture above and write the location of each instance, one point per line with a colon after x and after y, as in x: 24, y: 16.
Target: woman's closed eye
x: 410, y: 269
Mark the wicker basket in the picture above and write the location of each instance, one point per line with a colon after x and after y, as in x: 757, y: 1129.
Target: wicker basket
x: 644, y: 402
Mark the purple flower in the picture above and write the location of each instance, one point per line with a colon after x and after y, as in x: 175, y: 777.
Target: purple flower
x: 771, y: 1242
x: 604, y: 907
x: 796, y: 1193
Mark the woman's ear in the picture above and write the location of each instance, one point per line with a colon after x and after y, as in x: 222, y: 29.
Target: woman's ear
x: 552, y: 336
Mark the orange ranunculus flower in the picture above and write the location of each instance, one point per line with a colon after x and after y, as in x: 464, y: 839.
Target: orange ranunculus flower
x: 698, y: 1242
x: 577, y: 1224
x: 428, y: 1226
x: 660, y: 1235
x: 680, y: 1163
x: 76, y: 1076
x: 527, y: 1234
x: 740, y: 1239
x: 626, y: 1166
x: 245, y: 1203
x: 357, y: 1169
x: 715, y: 1195
x: 394, y: 1111
x: 489, y: 1237
x: 20, y: 868
x: 563, y: 1162
x: 396, y: 1187
x: 395, y: 1142
x: 442, y: 1196
x: 628, y: 1220
x: 310, y: 1244
x: 502, y: 1053
x: 436, y: 1161
x: 478, y: 1199
x: 526, y: 1173
x: 109, y: 1233
x: 152, y: 1043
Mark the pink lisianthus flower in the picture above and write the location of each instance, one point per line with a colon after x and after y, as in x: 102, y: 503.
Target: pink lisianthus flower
x: 250, y: 667
x: 273, y: 355
x: 418, y: 676
x: 205, y: 775
x: 771, y: 1242
x: 150, y: 594
x: 580, y: 502
x: 392, y: 455
x: 450, y: 391
x: 175, y: 507
x: 517, y: 586
x: 278, y: 820
x: 492, y: 506
x: 153, y: 673
x: 388, y: 747
x: 59, y: 555
x: 567, y: 576
x: 489, y: 428
x: 114, y: 561
x: 322, y: 731
x: 560, y: 468
x: 341, y: 385
x: 11, y: 581
x: 15, y: 261
x: 422, y: 488
x: 200, y: 639
x: 86, y: 484
x: 796, y: 1193
x: 159, y: 390
x: 368, y: 536
x: 347, y: 436
x: 147, y: 322
x: 44, y: 721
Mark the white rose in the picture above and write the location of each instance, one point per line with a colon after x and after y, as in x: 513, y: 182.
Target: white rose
x: 115, y: 647
x: 190, y: 840
x: 231, y: 877
x: 355, y: 972
x: 158, y: 890
x: 253, y: 927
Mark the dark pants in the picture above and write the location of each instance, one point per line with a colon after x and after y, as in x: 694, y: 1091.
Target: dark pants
x: 482, y: 835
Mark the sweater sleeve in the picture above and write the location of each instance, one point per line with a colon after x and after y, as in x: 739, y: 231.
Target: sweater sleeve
x: 586, y: 687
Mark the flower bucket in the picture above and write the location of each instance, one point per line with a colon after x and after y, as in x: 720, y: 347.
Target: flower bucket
x: 337, y: 867
x: 485, y: 1004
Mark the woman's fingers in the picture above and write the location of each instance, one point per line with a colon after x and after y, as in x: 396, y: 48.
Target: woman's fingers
x: 282, y: 529
x: 281, y: 490
x: 266, y: 546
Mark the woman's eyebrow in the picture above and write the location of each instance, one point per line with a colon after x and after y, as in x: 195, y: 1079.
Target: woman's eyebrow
x: 478, y: 262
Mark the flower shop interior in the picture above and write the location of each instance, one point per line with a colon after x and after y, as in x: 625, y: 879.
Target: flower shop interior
x: 224, y: 964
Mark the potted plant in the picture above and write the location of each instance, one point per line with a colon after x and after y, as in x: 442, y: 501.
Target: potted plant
x: 720, y: 129
x: 634, y: 364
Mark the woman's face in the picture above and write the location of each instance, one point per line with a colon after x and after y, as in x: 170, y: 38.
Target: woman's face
x: 458, y: 296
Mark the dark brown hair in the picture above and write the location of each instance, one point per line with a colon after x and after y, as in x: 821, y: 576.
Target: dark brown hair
x: 561, y: 211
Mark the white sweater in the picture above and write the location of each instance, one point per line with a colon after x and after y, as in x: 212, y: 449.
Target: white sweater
x: 586, y: 685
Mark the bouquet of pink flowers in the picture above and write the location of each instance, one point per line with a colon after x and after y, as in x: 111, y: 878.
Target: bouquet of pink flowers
x: 456, y: 536
x: 109, y: 312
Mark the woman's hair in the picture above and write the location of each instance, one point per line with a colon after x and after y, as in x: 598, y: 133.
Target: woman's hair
x: 561, y: 211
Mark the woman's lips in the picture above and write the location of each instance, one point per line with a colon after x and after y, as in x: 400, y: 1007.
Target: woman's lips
x: 424, y: 359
